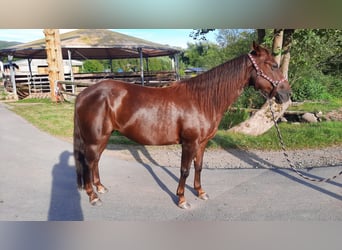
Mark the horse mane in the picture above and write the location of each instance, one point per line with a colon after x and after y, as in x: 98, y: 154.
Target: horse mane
x: 219, y: 87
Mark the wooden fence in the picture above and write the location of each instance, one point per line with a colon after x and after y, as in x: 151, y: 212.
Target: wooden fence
x: 39, y: 84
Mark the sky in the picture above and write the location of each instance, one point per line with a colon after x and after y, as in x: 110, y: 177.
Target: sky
x: 172, y: 37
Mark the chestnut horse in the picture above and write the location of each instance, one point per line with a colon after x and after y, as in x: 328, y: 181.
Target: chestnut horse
x: 187, y: 112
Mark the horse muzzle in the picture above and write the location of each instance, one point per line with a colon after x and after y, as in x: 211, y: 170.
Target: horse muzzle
x: 282, y: 96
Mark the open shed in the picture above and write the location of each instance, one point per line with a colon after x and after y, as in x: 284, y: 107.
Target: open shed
x: 85, y: 44
x: 93, y: 44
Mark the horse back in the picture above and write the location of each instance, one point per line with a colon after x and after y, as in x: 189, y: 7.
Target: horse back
x: 147, y: 115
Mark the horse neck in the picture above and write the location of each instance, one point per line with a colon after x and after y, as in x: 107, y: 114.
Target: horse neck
x: 216, y: 89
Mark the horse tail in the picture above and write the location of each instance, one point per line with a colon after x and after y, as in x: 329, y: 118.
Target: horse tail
x: 79, y: 153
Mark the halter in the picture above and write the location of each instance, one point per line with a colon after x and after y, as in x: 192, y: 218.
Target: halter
x: 259, y: 72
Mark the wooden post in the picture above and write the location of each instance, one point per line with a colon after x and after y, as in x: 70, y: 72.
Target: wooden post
x: 141, y: 66
x: 277, y: 45
x: 54, y: 59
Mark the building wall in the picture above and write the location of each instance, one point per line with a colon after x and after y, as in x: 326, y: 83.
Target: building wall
x: 39, y: 66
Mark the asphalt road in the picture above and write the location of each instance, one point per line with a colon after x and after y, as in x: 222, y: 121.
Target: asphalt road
x: 38, y: 182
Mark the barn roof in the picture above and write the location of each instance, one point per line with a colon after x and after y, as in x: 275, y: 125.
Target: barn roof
x: 93, y: 44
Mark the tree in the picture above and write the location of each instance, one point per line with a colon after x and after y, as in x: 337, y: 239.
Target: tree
x: 199, y: 34
x: 311, y: 54
x: 202, y: 54
x: 90, y: 66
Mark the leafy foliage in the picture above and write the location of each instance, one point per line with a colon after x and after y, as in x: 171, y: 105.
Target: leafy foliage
x: 92, y: 66
x: 315, y: 65
x: 313, y: 72
x: 232, y: 118
x: 199, y: 34
x: 127, y: 65
x: 202, y: 54
x: 309, y: 89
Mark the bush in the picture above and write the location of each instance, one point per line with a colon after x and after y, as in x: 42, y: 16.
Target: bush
x: 90, y: 66
x: 334, y: 86
x: 310, y: 89
x: 250, y: 99
x: 232, y: 118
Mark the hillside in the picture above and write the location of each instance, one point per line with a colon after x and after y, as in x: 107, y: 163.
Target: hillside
x: 4, y: 44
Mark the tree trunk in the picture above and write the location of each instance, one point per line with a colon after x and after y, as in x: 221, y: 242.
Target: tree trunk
x: 277, y: 44
x: 287, y: 43
x: 261, y: 35
x: 54, y: 59
x: 261, y: 121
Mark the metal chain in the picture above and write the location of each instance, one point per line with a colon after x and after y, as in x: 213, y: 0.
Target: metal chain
x: 282, y: 144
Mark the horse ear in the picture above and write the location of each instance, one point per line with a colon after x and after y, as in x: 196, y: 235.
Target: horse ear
x: 255, y: 45
x: 255, y: 48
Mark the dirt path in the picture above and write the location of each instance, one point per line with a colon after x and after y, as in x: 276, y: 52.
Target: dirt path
x: 231, y: 158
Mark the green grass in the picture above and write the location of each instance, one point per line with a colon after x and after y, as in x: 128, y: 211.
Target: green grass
x: 317, y: 106
x: 51, y: 117
x: 117, y: 138
x: 57, y: 119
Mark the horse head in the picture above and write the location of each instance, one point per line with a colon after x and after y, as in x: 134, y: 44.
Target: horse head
x: 266, y: 75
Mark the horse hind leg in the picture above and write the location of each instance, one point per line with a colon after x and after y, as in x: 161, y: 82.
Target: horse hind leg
x: 83, y: 168
x: 100, y: 188
x: 93, y: 156
x: 89, y: 163
x: 84, y: 179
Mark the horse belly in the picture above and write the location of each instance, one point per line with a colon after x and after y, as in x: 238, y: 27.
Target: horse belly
x: 151, y: 136
x: 152, y: 128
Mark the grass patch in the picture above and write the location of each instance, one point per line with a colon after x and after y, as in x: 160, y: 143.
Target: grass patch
x: 118, y: 138
x: 57, y: 119
x: 317, y: 106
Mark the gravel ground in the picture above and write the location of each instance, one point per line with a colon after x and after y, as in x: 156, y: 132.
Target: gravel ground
x: 232, y: 158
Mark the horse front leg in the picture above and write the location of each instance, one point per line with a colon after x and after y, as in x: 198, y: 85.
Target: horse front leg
x: 188, y: 153
x: 198, y: 162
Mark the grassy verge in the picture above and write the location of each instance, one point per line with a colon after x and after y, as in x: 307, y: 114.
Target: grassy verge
x: 317, y: 106
x: 57, y: 119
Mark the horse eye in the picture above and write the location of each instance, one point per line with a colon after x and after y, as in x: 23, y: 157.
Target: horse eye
x: 274, y: 66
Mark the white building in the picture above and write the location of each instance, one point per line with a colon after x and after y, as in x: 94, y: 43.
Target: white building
x: 40, y: 66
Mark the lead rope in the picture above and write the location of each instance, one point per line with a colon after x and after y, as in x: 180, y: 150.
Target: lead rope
x: 287, y: 156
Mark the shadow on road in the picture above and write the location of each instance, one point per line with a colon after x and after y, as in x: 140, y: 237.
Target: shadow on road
x: 65, y: 197
x: 136, y: 153
x: 248, y: 157
x: 255, y: 161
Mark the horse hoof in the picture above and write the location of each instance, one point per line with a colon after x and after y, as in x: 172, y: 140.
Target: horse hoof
x: 96, y: 202
x: 184, y: 205
x: 204, y: 196
x: 102, y: 190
